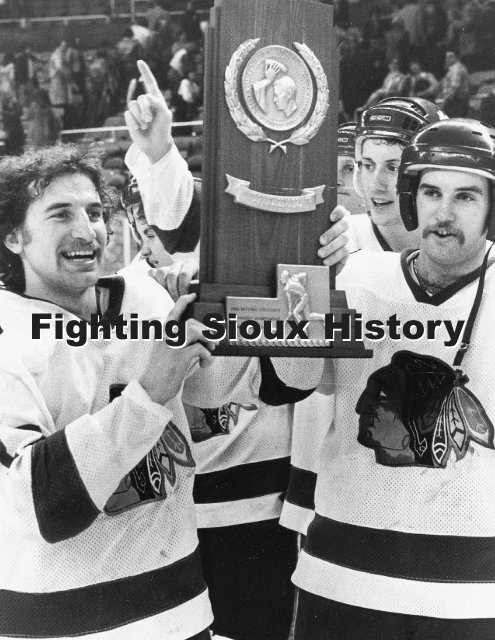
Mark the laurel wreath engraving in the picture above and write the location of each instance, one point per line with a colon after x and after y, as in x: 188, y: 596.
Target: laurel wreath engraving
x: 248, y: 127
x: 254, y: 131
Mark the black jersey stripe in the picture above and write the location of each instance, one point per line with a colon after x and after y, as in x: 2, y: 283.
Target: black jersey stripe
x: 301, y: 489
x: 396, y: 554
x: 243, y: 481
x: 103, y: 606
x: 61, y: 501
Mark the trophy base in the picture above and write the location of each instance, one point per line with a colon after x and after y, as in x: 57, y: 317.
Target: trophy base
x: 338, y: 351
x: 257, y: 309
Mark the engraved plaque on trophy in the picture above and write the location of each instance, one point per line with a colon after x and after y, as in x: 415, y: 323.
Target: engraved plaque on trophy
x: 269, y: 178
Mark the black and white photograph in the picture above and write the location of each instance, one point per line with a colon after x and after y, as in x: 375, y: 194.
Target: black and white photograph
x: 247, y: 283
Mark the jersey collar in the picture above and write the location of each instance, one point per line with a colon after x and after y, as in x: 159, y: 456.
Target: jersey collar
x: 442, y: 296
x: 381, y: 240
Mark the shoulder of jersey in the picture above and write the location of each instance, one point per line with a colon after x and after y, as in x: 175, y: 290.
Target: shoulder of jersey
x: 369, y: 268
x: 143, y: 295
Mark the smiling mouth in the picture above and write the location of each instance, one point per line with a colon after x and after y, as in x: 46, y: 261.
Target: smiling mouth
x: 381, y: 202
x: 440, y: 233
x: 79, y: 256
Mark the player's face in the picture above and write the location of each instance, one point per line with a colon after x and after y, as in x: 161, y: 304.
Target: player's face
x: 62, y: 240
x: 378, y: 177
x: 152, y: 248
x: 452, y: 214
x: 346, y: 194
x: 345, y: 171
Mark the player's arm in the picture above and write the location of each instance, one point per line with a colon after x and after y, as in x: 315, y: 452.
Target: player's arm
x: 54, y: 484
x: 164, y: 179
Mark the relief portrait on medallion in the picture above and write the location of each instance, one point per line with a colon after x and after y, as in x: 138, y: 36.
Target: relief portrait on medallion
x: 277, y: 88
x: 283, y: 86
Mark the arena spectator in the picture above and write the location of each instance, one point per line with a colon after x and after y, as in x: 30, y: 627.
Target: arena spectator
x: 14, y: 130
x: 396, y: 83
x: 60, y: 79
x: 190, y: 22
x: 471, y: 41
x: 454, y: 95
x: 433, y: 19
x: 42, y: 125
x: 7, y: 73
x: 409, y: 12
x: 102, y: 86
x: 156, y: 13
x: 24, y: 72
x: 128, y: 52
x: 423, y: 83
x: 397, y: 43
x: 364, y: 60
x: 176, y: 70
x: 190, y: 94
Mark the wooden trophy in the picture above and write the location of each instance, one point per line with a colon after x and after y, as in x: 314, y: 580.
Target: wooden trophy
x: 269, y: 179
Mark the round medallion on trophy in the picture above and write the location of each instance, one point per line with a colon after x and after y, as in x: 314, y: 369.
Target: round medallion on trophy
x: 277, y: 88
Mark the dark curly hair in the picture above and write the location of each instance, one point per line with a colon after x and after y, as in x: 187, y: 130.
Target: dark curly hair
x: 24, y: 178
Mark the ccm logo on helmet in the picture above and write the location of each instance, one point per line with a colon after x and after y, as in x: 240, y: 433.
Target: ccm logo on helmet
x: 343, y: 139
x: 384, y: 118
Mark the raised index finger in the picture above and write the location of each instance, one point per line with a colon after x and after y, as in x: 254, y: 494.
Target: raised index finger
x: 149, y: 80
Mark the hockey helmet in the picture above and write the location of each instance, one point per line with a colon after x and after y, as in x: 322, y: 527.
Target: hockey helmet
x: 458, y: 144
x: 346, y: 142
x: 425, y: 108
x: 132, y: 204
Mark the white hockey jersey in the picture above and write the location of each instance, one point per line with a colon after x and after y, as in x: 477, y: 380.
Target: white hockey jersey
x: 242, y: 452
x: 405, y: 515
x: 97, y: 525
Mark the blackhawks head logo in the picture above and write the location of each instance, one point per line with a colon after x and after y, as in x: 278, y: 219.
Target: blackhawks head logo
x: 417, y: 409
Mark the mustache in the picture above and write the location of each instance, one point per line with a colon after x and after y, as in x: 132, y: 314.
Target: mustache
x: 444, y: 226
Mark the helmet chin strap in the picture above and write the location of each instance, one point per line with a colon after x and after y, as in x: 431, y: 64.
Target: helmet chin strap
x: 356, y: 181
x: 466, y: 336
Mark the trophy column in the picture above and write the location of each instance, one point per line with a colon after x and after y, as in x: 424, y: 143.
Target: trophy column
x: 270, y: 164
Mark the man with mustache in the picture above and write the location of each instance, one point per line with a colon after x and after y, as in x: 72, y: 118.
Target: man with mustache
x: 402, y: 543
x: 97, y: 526
x: 377, y: 144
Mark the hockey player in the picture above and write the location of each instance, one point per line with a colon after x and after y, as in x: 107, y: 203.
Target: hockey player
x: 402, y: 542
x: 242, y: 454
x: 381, y: 135
x: 242, y: 467
x: 150, y: 246
x: 97, y: 525
x: 346, y: 193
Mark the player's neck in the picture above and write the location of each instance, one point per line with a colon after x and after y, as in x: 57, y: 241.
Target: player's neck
x: 398, y: 238
x: 434, y: 276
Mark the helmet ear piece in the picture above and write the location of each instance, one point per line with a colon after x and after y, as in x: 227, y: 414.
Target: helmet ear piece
x: 490, y: 234
x: 407, y: 190
x: 356, y: 180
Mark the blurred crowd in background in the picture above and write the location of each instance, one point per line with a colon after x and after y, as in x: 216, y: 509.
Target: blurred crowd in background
x: 68, y: 68
x: 437, y: 49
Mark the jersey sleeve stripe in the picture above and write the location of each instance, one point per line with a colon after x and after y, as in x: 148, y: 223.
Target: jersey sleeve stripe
x: 301, y: 489
x: 62, y: 504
